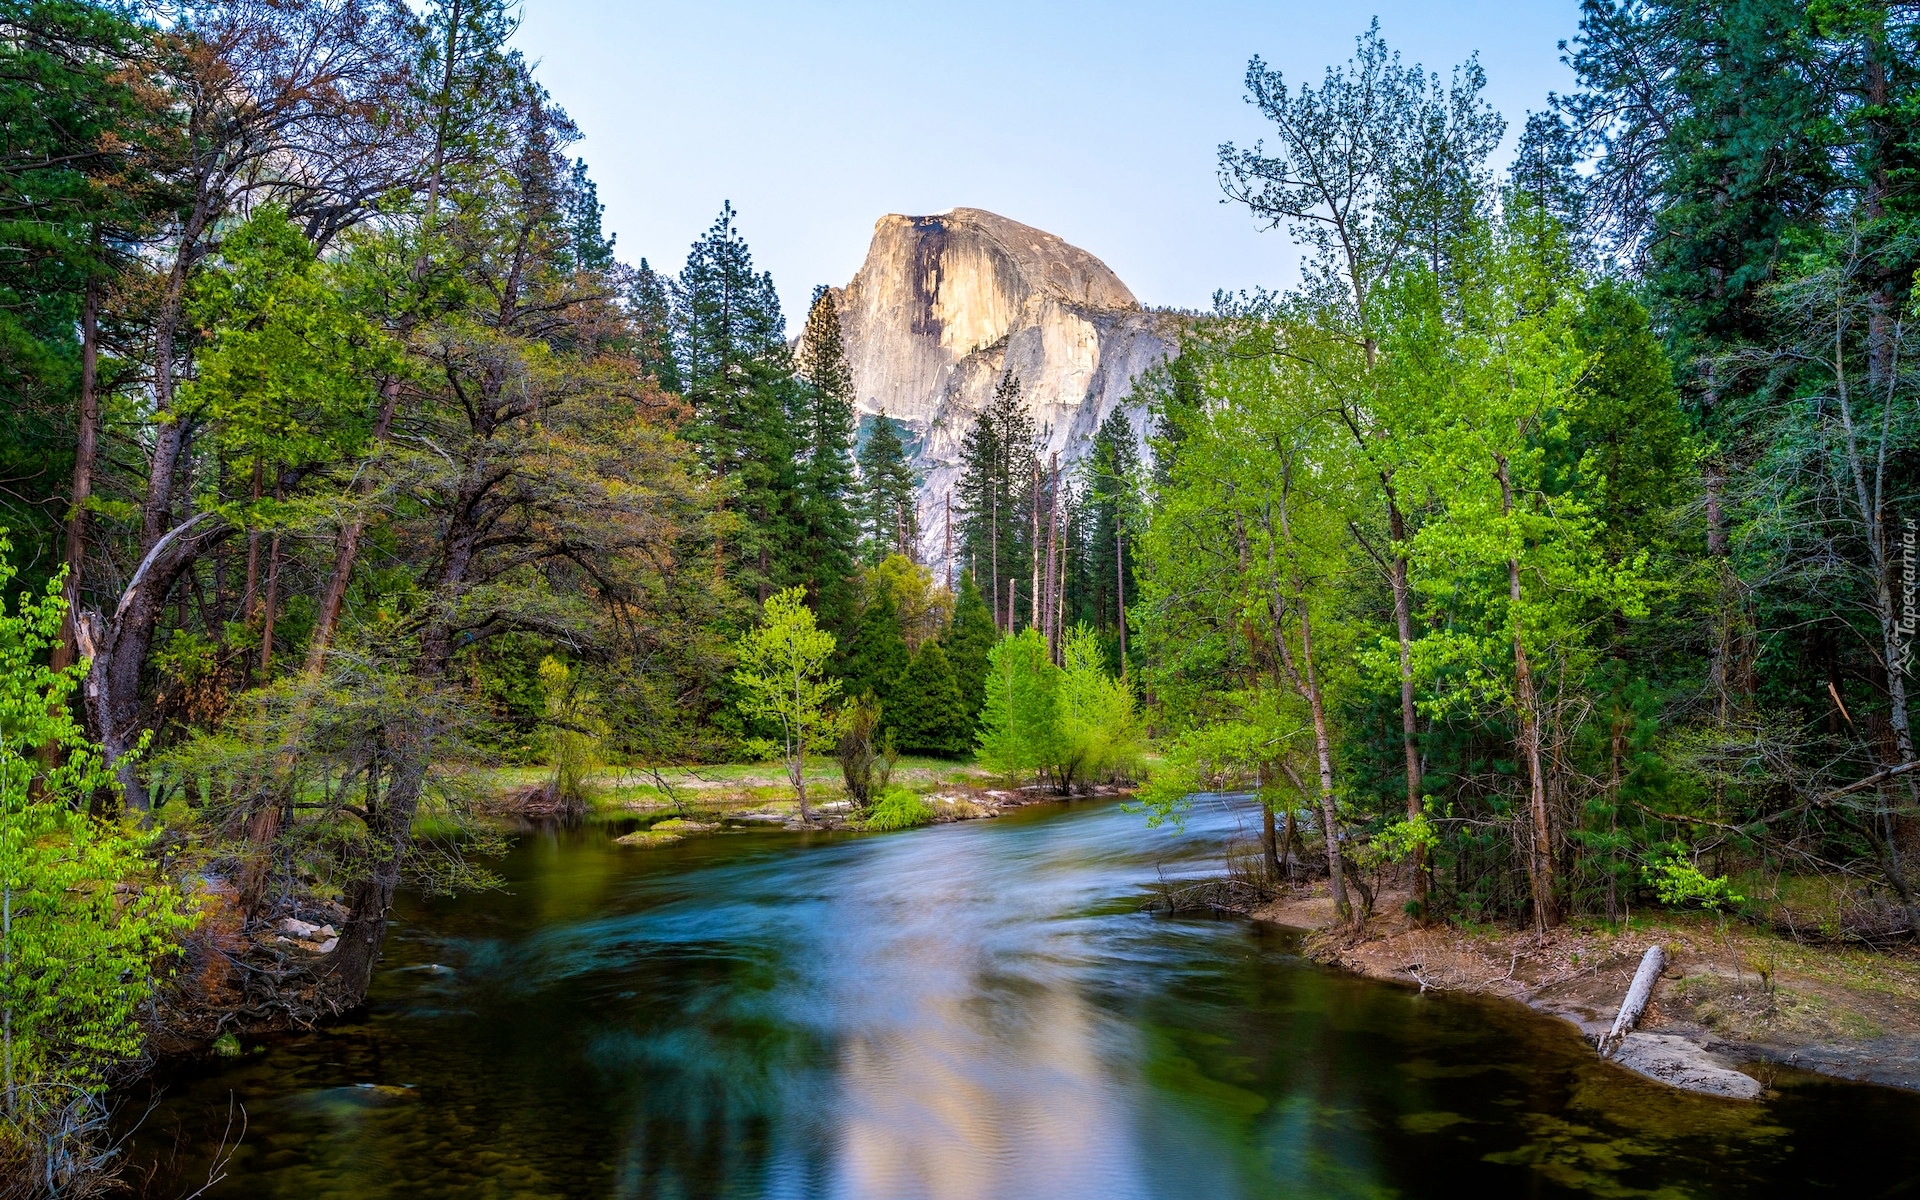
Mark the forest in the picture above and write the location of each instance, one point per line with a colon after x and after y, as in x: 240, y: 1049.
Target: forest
x: 1547, y: 550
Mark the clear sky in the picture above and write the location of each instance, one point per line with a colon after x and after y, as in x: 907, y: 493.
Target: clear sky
x: 1094, y: 121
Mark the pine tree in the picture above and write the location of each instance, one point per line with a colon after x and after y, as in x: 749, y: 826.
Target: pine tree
x: 877, y: 657
x: 889, y: 522
x: 967, y: 643
x: 738, y: 376
x: 650, y: 305
x: 589, y: 248
x: 997, y: 459
x: 928, y: 716
x: 1109, y: 474
x: 823, y: 427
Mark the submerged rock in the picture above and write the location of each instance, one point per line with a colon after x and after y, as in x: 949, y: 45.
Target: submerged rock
x: 1684, y: 1064
x: 648, y: 839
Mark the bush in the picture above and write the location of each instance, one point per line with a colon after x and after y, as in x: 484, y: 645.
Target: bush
x: 1071, y: 723
x: 899, y: 808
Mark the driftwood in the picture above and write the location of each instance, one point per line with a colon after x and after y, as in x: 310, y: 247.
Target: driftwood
x: 1634, y: 1006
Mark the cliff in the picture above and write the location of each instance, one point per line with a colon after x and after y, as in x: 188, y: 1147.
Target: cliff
x: 946, y: 305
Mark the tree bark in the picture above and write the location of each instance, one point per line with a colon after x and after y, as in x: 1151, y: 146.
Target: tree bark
x: 347, y: 544
x: 1052, y: 575
x: 1409, y: 726
x: 86, y: 448
x: 1120, y: 591
x: 1305, y: 679
x: 1034, y: 542
x: 1270, y: 841
x: 1539, y: 849
x: 118, y: 645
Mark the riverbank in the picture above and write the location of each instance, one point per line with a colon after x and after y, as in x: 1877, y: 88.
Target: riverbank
x: 758, y: 795
x: 1735, y: 1004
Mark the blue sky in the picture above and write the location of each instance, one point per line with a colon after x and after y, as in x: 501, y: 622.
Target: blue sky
x: 1097, y: 122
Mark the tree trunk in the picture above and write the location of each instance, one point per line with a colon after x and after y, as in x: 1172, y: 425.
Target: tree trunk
x: 118, y: 645
x: 1120, y: 591
x: 1034, y: 542
x: 1539, y: 849
x: 271, y: 609
x: 347, y: 545
x: 994, y: 554
x: 86, y: 447
x: 250, y: 594
x: 1409, y: 726
x: 1052, y: 574
x: 169, y: 433
x: 1270, y: 841
x: 1305, y: 678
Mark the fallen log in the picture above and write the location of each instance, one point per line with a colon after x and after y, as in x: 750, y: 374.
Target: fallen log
x: 1634, y: 1006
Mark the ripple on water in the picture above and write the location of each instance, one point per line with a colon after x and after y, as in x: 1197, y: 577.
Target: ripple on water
x: 960, y: 1013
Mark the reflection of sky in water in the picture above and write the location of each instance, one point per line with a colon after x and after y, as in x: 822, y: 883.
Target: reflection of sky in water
x: 971, y: 1012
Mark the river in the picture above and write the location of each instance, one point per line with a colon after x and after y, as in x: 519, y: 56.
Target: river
x: 966, y: 1012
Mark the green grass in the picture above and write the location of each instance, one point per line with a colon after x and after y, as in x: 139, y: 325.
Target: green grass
x: 899, y: 808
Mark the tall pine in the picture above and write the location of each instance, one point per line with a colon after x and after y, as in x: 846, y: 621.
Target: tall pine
x: 1109, y: 474
x: 738, y: 377
x: 889, y: 521
x: 997, y: 460
x: 823, y: 427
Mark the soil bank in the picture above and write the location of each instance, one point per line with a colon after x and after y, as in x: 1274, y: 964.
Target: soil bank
x: 1734, y: 1008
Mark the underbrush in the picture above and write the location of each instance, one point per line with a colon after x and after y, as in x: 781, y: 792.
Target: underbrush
x: 898, y: 808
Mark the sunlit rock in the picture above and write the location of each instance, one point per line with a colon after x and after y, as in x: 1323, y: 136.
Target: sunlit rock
x: 946, y: 305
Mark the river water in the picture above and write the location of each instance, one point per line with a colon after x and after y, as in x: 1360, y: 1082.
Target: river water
x: 964, y: 1012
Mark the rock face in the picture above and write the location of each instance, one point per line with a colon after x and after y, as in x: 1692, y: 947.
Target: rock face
x: 946, y: 305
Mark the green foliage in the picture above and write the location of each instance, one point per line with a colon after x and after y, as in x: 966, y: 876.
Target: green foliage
x: 575, y: 728
x: 1019, y: 727
x: 291, y: 368
x: 86, y: 917
x: 781, y: 677
x: 877, y: 657
x: 1678, y: 883
x: 1225, y: 755
x: 857, y: 750
x: 1101, y: 735
x: 1070, y: 723
x: 994, y: 497
x: 826, y: 490
x: 1110, y: 476
x: 926, y: 715
x: 968, y: 642
x: 738, y: 376
x: 889, y: 523
x: 898, y: 808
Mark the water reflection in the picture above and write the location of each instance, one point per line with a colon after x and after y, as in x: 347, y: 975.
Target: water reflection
x: 971, y: 1012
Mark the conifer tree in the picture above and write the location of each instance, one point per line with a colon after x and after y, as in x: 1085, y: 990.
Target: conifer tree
x: 968, y: 642
x: 928, y: 715
x: 877, y: 657
x: 588, y: 246
x: 823, y: 425
x: 650, y: 305
x: 1109, y: 474
x: 889, y: 522
x: 997, y: 459
x: 738, y: 376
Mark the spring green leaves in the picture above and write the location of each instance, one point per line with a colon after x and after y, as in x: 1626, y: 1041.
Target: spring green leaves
x: 84, y: 917
x: 1068, y: 722
x: 782, y: 680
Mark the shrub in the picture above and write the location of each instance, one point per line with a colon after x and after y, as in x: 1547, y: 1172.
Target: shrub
x: 899, y: 808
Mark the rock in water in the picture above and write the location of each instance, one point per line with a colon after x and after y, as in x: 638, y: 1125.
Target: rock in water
x: 946, y: 305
